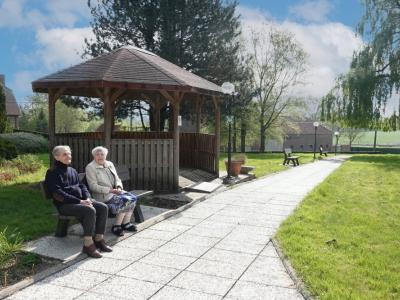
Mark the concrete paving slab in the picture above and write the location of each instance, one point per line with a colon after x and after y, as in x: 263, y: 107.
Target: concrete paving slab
x: 169, y: 260
x: 65, y: 249
x: 231, y: 257
x: 202, y: 283
x: 124, y: 253
x: 218, y: 268
x: 95, y: 296
x: 107, y: 266
x: 184, y: 249
x: 136, y: 242
x: 127, y: 288
x: 249, y: 290
x: 152, y: 273
x: 172, y: 293
x: 46, y: 291
x: 74, y: 277
x: 191, y: 239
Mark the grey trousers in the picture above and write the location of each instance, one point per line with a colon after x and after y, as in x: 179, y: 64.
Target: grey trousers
x: 90, y: 217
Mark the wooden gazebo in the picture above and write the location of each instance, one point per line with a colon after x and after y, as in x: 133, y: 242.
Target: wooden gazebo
x: 127, y: 73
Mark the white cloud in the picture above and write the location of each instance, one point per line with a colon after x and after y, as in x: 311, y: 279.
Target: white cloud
x: 312, y: 10
x: 16, y: 14
x: 11, y: 13
x: 61, y: 47
x: 329, y: 47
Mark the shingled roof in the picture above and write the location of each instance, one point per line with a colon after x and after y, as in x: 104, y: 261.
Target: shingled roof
x: 127, y: 67
x: 12, y: 108
x: 308, y: 128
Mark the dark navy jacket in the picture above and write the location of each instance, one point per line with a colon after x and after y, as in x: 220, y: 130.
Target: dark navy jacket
x: 64, y: 185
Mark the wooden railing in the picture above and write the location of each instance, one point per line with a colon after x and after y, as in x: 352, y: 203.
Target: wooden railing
x: 150, y: 162
x: 197, y: 150
x: 148, y: 155
x: 147, y: 135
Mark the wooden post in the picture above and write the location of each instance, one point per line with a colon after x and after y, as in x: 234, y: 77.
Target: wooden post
x: 199, y: 103
x: 217, y: 132
x: 175, y: 103
x: 53, y: 96
x: 52, y: 123
x: 108, y: 118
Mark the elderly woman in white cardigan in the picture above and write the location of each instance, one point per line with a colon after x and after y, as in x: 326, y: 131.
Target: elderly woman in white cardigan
x: 106, y: 186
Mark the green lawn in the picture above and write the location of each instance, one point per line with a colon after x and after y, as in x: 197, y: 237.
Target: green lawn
x: 383, y: 138
x: 344, y: 239
x: 22, y: 208
x: 267, y: 163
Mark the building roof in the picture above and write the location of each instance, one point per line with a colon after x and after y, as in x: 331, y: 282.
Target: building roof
x: 308, y: 128
x: 130, y: 68
x: 12, y: 108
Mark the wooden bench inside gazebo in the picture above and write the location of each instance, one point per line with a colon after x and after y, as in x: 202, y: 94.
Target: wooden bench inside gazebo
x: 130, y: 73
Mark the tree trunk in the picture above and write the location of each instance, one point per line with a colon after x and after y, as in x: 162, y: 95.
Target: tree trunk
x: 243, y: 137
x: 375, y: 136
x: 262, y: 139
x: 234, y: 135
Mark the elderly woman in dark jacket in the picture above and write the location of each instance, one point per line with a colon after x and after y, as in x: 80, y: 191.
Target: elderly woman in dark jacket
x: 73, y: 199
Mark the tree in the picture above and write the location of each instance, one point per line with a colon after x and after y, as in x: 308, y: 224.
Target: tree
x: 199, y: 36
x: 277, y: 63
x: 352, y: 134
x: 69, y: 119
x: 374, y: 75
x: 4, y: 123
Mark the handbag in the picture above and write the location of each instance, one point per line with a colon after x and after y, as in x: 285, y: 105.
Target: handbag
x: 121, y: 203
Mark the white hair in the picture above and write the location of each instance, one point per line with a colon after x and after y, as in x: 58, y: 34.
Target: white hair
x: 57, y: 150
x: 99, y: 149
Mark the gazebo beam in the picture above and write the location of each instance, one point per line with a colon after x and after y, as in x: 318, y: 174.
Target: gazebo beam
x: 217, y: 132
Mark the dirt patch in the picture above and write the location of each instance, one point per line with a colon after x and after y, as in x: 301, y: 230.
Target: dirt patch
x: 22, y: 266
x: 162, y: 202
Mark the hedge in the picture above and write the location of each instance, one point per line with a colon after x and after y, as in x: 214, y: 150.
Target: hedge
x: 27, y: 142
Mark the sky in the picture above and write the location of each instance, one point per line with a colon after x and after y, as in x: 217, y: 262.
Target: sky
x: 40, y: 37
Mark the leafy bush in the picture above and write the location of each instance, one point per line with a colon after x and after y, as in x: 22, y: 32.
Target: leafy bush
x: 8, y: 174
x: 26, y: 163
x: 27, y: 142
x: 7, y: 150
x: 10, y: 246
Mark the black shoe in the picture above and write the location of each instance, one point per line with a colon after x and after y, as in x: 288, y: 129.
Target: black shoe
x: 91, y: 251
x: 117, y: 230
x: 129, y: 227
x: 102, y: 246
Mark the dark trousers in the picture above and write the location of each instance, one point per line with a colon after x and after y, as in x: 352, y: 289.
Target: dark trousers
x: 90, y: 217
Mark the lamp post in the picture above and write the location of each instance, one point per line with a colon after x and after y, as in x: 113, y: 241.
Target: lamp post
x: 337, y: 140
x: 316, y: 124
x: 229, y: 89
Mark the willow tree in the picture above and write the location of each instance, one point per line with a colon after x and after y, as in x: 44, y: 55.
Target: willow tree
x: 374, y: 75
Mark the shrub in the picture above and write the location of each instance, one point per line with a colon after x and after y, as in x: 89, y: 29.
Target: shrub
x: 7, y: 150
x: 8, y: 174
x: 26, y: 163
x: 10, y: 246
x: 239, y: 157
x: 27, y: 142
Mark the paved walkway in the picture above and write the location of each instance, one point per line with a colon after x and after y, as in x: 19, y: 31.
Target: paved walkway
x: 218, y: 249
